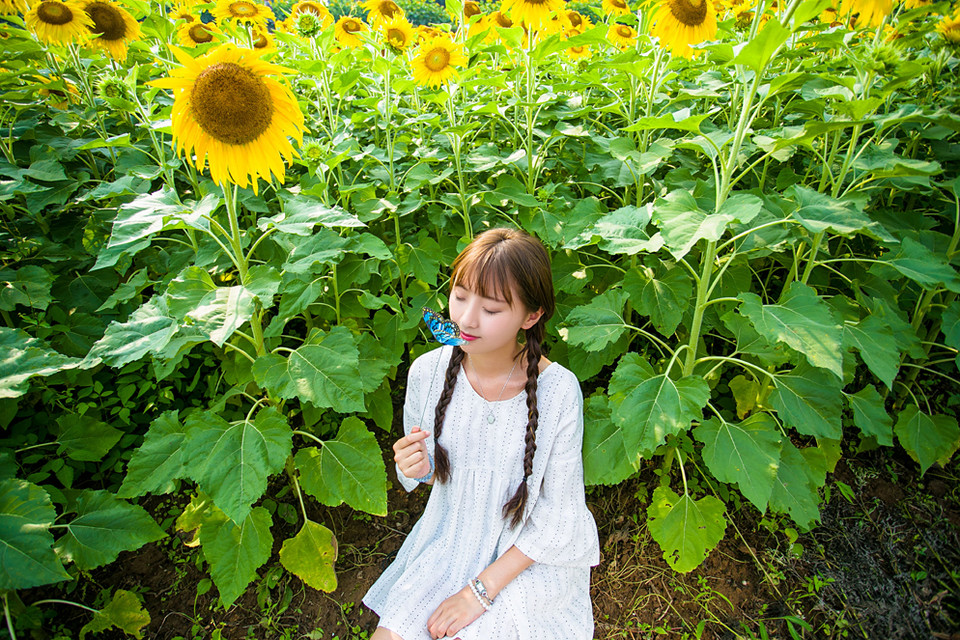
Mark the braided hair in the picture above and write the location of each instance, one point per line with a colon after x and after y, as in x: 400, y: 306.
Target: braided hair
x: 496, y: 262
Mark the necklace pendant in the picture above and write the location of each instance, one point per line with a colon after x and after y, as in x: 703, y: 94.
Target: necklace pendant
x: 491, y: 418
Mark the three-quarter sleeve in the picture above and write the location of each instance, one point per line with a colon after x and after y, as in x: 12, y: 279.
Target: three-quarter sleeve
x: 560, y: 530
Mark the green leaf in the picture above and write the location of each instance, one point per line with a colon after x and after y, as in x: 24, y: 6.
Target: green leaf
x: 795, y: 491
x: 217, y: 312
x: 873, y: 338
x: 663, y: 294
x: 650, y: 406
x: 423, y: 260
x: 819, y: 212
x: 928, y: 269
x: 746, y: 392
x: 679, y: 119
x: 347, y: 469
x: 28, y: 286
x: 148, y: 329
x: 683, y: 223
x: 751, y: 342
x: 160, y: 459
x: 759, y: 50
x: 85, y: 438
x: 950, y: 325
x: 801, y: 320
x: 927, y: 439
x: 870, y: 416
x: 136, y: 222
x: 595, y: 325
x: 27, y: 558
x: 301, y: 213
x: 22, y: 357
x: 325, y: 373
x: 686, y: 529
x: 124, y: 612
x: 310, y: 556
x: 606, y: 459
x: 374, y: 361
x: 235, y: 552
x: 809, y: 401
x: 231, y: 461
x: 747, y: 454
x: 263, y: 281
x: 105, y: 526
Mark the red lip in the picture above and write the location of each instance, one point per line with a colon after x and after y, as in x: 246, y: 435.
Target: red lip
x: 467, y: 336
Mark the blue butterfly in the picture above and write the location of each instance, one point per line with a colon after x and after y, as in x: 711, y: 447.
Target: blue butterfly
x: 445, y: 331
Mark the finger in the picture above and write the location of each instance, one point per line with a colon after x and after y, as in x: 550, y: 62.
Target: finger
x: 411, y: 439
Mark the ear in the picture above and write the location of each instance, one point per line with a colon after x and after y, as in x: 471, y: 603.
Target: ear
x: 531, y: 319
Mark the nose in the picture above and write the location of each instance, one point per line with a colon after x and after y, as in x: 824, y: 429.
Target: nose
x: 470, y: 313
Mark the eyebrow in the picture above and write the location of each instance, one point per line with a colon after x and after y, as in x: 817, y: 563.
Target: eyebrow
x: 500, y: 300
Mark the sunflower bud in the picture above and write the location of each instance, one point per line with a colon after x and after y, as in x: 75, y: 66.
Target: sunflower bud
x: 312, y: 152
x: 307, y: 24
x: 112, y: 88
x: 884, y: 59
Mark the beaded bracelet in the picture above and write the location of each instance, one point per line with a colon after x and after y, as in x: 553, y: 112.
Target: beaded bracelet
x: 480, y: 595
x: 429, y: 476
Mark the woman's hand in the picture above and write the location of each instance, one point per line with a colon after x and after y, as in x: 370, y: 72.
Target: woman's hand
x: 410, y: 454
x: 454, y: 614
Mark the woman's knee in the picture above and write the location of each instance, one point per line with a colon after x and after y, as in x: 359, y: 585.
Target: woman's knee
x: 382, y: 633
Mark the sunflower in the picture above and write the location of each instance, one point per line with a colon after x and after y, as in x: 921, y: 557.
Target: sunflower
x: 230, y: 110
x: 58, y: 22
x: 579, y: 52
x: 470, y: 9
x: 576, y: 21
x: 381, y: 11
x: 435, y: 61
x: 113, y: 27
x: 398, y: 33
x: 243, y: 11
x: 615, y: 7
x: 535, y: 14
x: 742, y: 11
x: 307, y: 24
x: 312, y: 7
x: 182, y: 13
x: 949, y: 28
x: 11, y: 7
x: 60, y: 93
x: 347, y: 31
x: 680, y: 23
x: 263, y: 41
x: 424, y: 33
x: 622, y: 35
x: 194, y: 34
x: 870, y: 12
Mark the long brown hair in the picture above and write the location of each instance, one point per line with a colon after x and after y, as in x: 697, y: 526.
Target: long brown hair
x: 497, y: 263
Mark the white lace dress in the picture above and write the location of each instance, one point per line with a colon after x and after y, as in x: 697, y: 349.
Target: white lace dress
x: 462, y: 531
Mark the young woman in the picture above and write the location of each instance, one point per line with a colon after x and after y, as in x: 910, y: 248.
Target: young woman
x: 504, y: 547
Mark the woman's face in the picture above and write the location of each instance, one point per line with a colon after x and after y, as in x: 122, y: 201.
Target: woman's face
x: 488, y: 324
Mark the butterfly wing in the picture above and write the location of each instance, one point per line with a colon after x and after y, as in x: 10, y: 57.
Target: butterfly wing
x: 445, y: 331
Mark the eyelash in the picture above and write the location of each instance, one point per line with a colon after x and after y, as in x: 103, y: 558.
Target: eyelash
x: 461, y: 299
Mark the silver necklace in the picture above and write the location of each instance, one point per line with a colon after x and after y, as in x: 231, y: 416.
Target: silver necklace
x: 491, y: 417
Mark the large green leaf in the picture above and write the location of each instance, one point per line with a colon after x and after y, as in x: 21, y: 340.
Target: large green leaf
x: 105, y: 526
x: 347, y: 469
x: 623, y: 231
x: 795, y: 489
x: 28, y: 286
x: 160, y: 459
x: 759, y: 50
x: 928, y: 269
x: 752, y: 343
x: 217, y: 312
x: 595, y: 325
x: 927, y: 439
x: 870, y: 416
x: 231, y: 461
x: 686, y: 529
x: 27, y: 558
x: 325, y: 372
x: 663, y: 294
x: 649, y: 406
x: 85, y: 438
x: 148, y: 329
x: 747, y: 453
x: 606, y: 459
x: 22, y: 357
x: 818, y: 212
x: 125, y: 612
x: 873, y: 338
x: 809, y: 401
x: 683, y: 223
x: 310, y: 556
x: 301, y: 213
x: 235, y: 551
x: 801, y: 320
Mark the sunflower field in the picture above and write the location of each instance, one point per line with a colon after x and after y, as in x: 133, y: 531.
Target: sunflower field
x: 219, y: 224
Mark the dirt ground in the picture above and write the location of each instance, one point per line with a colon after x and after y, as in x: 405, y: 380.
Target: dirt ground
x: 884, y: 564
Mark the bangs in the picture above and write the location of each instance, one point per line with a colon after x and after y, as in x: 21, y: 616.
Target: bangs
x: 484, y: 272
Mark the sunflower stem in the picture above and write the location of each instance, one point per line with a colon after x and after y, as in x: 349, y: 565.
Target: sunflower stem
x: 239, y: 259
